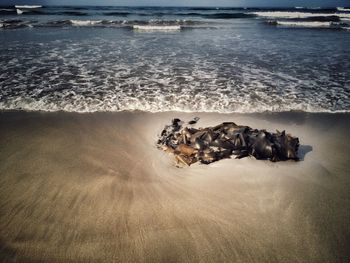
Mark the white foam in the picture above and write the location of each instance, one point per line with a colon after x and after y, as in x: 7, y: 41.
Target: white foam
x: 85, y: 22
x: 156, y: 28
x: 83, y: 106
x: 343, y: 9
x: 28, y: 6
x: 150, y: 83
x: 305, y: 24
x: 285, y: 14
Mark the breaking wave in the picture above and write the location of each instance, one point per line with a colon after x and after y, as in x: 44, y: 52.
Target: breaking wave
x: 332, y: 22
x: 291, y: 15
x: 309, y: 24
x: 85, y: 22
x: 343, y: 9
x: 152, y: 24
x: 7, y: 11
x: 305, y: 24
x: 157, y: 27
x: 15, y: 23
x: 189, y: 14
x: 307, y: 19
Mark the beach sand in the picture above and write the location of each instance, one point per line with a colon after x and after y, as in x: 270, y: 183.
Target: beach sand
x: 94, y: 188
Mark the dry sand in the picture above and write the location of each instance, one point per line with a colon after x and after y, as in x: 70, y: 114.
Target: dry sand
x: 94, y: 188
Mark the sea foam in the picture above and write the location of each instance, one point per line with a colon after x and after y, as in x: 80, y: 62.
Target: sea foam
x: 157, y: 27
x: 284, y: 14
x: 85, y: 22
x: 343, y: 9
x: 230, y: 69
x: 304, y: 24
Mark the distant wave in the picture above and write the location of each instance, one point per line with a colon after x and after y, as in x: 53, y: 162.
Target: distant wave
x: 315, y: 19
x: 157, y: 27
x: 85, y: 22
x: 282, y: 14
x: 224, y: 14
x: 304, y: 24
x: 332, y: 20
x: 133, y: 24
x: 15, y: 23
x: 137, y: 24
x: 204, y: 12
x: 220, y: 15
x: 167, y: 25
x: 343, y: 9
x: 309, y: 24
x: 43, y: 12
x: 190, y: 14
x: 7, y: 11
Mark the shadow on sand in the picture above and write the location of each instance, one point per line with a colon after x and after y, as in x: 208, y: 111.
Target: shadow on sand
x: 303, y: 150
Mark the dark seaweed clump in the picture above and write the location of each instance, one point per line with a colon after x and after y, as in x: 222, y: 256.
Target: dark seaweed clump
x: 211, y: 144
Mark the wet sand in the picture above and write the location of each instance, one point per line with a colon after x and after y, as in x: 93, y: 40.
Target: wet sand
x: 94, y: 188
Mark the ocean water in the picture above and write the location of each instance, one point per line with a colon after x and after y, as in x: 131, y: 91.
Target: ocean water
x: 86, y: 59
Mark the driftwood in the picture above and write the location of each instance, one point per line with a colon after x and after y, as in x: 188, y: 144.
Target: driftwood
x: 207, y: 145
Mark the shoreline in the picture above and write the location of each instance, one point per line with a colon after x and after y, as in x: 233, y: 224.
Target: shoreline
x: 20, y: 110
x: 93, y: 187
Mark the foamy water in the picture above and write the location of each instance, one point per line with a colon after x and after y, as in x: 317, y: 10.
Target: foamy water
x: 343, y: 9
x: 305, y: 24
x: 156, y: 28
x: 175, y: 62
x: 284, y: 14
x: 85, y: 22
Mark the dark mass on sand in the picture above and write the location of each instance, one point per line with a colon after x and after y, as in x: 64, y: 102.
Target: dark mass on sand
x: 211, y: 144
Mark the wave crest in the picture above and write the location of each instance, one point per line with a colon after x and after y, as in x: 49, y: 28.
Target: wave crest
x: 291, y: 15
x: 309, y: 24
x: 133, y: 24
x: 156, y: 27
